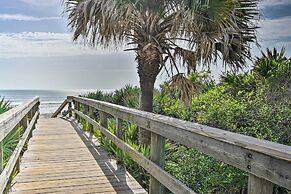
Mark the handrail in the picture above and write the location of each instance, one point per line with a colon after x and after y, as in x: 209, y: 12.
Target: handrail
x: 11, y: 118
x: 25, y: 116
x: 63, y: 105
x: 266, y: 162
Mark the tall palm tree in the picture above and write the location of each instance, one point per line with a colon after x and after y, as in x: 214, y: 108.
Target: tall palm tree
x: 165, y: 32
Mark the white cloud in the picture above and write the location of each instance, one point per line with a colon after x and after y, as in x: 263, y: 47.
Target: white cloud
x: 275, y: 29
x: 266, y: 3
x: 41, y: 44
x: 43, y: 3
x: 21, y: 17
x: 275, y: 33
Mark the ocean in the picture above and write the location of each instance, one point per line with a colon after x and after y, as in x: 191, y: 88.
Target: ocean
x: 50, y: 100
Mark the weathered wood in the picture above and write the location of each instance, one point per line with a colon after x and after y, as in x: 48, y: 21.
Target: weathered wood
x: 10, y: 119
x: 59, y: 110
x: 119, y: 131
x: 119, y: 134
x: 70, y: 103
x: 1, y: 156
x: 91, y: 115
x: 69, y: 108
x: 165, y: 178
x: 158, y: 157
x: 24, y: 122
x: 257, y: 185
x: 6, y: 173
x: 103, y: 121
x: 77, y: 107
x: 271, y: 161
x: 63, y: 163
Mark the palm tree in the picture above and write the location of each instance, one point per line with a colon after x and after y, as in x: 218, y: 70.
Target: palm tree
x: 271, y: 62
x: 164, y: 33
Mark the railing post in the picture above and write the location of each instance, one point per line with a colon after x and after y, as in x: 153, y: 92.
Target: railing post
x: 91, y: 115
x: 76, y: 107
x: 29, y: 116
x: 38, y: 109
x: 33, y: 111
x: 24, y: 123
x: 19, y: 138
x: 1, y: 156
x: 79, y: 109
x: 103, y: 122
x: 119, y: 134
x: 119, y: 131
x: 86, y: 112
x: 258, y: 185
x: 158, y: 157
x: 69, y: 99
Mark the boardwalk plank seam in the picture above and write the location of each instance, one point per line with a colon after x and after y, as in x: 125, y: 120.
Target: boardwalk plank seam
x: 60, y: 156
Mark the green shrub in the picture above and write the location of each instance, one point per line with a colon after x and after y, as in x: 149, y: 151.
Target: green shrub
x: 4, y: 105
x: 256, y: 103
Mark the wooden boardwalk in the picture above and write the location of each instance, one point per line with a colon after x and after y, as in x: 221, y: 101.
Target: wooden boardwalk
x: 63, y: 159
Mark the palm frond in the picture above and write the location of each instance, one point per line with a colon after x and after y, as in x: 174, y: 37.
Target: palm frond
x: 183, y: 87
x: 4, y: 105
x: 179, y: 31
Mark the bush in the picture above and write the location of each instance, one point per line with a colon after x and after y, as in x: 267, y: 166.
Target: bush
x: 4, y: 105
x: 255, y: 103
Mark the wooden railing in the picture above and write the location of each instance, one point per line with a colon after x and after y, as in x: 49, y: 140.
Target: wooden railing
x: 267, y: 163
x: 24, y: 116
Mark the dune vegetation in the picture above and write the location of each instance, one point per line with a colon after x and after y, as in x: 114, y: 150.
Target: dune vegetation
x: 10, y: 141
x: 254, y: 103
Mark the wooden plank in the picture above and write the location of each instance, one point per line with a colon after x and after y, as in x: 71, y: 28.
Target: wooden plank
x: 158, y: 157
x: 1, y: 156
x: 56, y: 163
x: 69, y: 108
x: 165, y: 178
x: 91, y: 114
x: 10, y: 119
x: 6, y: 173
x: 268, y: 160
x: 58, y: 111
x: 257, y: 185
x: 119, y: 131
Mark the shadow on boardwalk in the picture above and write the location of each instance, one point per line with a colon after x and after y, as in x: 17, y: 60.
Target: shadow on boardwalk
x: 120, y: 180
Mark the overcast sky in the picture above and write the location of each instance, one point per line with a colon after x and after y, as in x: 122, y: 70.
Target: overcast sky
x: 37, y: 52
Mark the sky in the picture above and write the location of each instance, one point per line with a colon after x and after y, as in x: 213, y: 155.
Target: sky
x: 37, y: 51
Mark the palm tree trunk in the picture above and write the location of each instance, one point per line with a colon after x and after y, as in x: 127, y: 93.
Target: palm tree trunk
x: 148, y: 70
x: 146, y: 104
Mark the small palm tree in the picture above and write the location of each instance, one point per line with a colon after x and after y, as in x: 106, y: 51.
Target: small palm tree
x: 4, y: 105
x: 271, y: 62
x: 164, y: 33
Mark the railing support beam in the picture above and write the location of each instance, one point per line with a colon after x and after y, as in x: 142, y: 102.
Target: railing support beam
x: 158, y: 157
x: 267, y: 160
x: 257, y: 185
x: 119, y: 134
x: 70, y: 107
x: 91, y: 115
x: 103, y: 122
x: 1, y: 156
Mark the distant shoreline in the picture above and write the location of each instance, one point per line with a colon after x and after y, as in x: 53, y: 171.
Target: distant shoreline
x: 50, y: 99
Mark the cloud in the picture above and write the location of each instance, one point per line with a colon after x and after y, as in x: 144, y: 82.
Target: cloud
x: 276, y: 29
x: 21, y: 17
x: 269, y: 3
x: 43, y: 3
x: 42, y: 44
x: 274, y: 33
